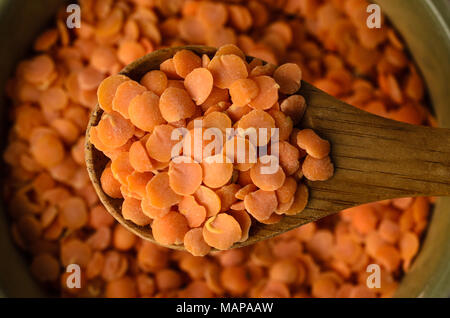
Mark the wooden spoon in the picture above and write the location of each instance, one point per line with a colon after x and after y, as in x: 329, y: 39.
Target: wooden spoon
x: 375, y: 158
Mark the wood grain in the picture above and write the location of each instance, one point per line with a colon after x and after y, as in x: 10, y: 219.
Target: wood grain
x: 375, y: 158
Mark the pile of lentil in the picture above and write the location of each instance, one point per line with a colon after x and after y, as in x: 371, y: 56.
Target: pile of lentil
x: 57, y: 219
x: 186, y: 190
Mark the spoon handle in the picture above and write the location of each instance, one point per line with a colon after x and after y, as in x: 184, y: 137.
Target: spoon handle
x: 375, y: 158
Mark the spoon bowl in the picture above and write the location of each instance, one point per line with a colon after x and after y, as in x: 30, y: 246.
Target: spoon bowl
x: 374, y: 158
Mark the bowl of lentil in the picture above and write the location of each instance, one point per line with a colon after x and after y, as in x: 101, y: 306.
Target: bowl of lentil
x: 52, y: 216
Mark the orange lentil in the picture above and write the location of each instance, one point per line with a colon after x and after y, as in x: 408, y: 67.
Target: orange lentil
x: 315, y: 146
x: 414, y: 87
x: 137, y: 182
x: 294, y: 106
x: 324, y: 287
x: 347, y: 250
x: 144, y: 112
x: 194, y: 213
x: 127, y: 193
x: 388, y: 256
x: 217, y: 171
x: 95, y: 265
x: 216, y: 96
x: 195, y: 244
x: 402, y: 203
x: 210, y: 13
x: 176, y: 104
x: 389, y: 231
x: 93, y: 49
x: 138, y: 157
x: 131, y: 210
x: 192, y: 146
x: 121, y: 167
x: 39, y: 69
x: 159, y: 192
x: 75, y: 251
x: 73, y: 213
x: 209, y: 199
x: 266, y: 174
x: 221, y: 231
x: 243, y: 91
x: 247, y: 189
x: 232, y: 257
x: 67, y: 130
x: 235, y: 280
x: 273, y: 219
x: 160, y: 143
x: 261, y: 204
x: 217, y: 120
x: 212, y: 278
x: 65, y: 171
x: 240, y: 17
x: 114, y: 131
x: 168, y: 68
x: 45, y: 268
x: 409, y: 246
x: 268, y: 93
x: 168, y: 279
x: 89, y: 78
x: 300, y: 200
x: 176, y: 84
x: 109, y: 184
x: 238, y: 206
x: 155, y: 81
x: 146, y: 285
x: 263, y: 70
x: 205, y: 60
x: 288, y: 76
x: 123, y: 239
x: 286, y: 192
x: 185, y: 62
x: 283, y: 123
x: 125, y: 93
x: 364, y: 218
x: 194, y: 266
x: 420, y: 209
x: 29, y: 227
x: 372, y: 242
x: 230, y: 49
x: 28, y: 118
x: 151, y: 211
x: 121, y: 288
x: 170, y: 229
x: 185, y: 176
x: 104, y: 59
x: 245, y: 222
x: 258, y: 120
x: 129, y: 51
x: 317, y: 169
x: 53, y: 98
x: 221, y: 36
x: 236, y: 112
x: 226, y: 69
x: 151, y: 257
x: 100, y: 239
